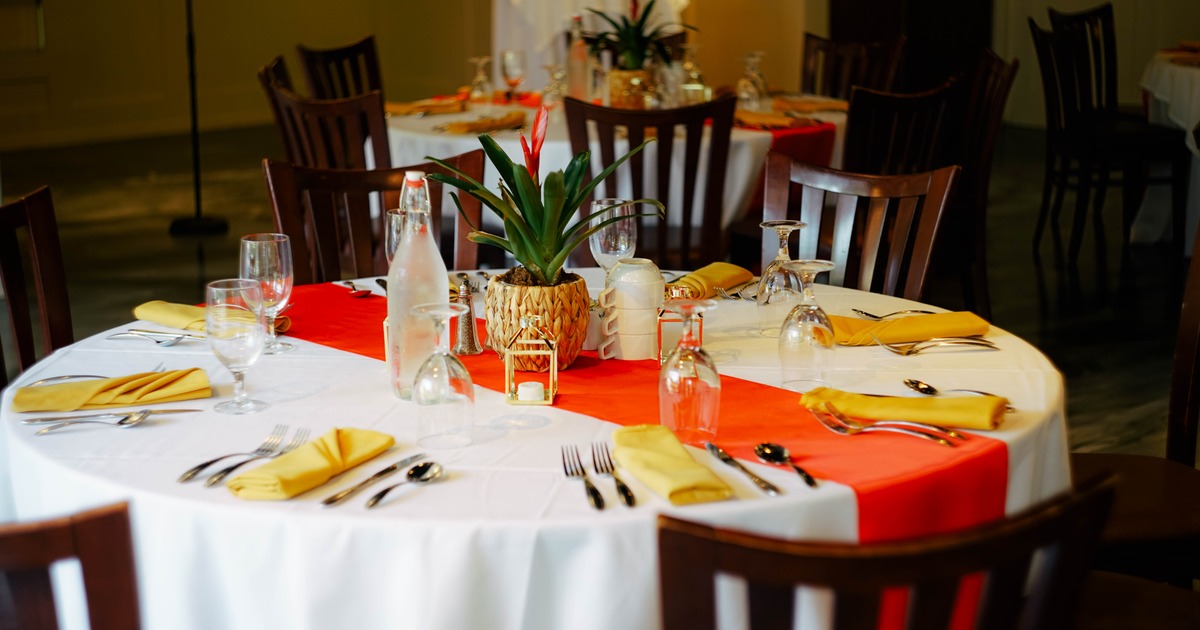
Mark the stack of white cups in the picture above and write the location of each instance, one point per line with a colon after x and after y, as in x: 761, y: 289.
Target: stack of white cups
x: 629, y: 305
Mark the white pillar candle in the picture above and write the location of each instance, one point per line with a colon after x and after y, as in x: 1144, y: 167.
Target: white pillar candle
x: 530, y: 391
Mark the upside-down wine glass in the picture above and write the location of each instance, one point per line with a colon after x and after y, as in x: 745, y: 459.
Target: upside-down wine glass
x: 779, y: 287
x: 481, y: 86
x: 512, y: 68
x: 235, y: 328
x: 806, y: 338
x: 689, y: 388
x: 442, y: 389
x: 267, y: 259
x: 616, y: 240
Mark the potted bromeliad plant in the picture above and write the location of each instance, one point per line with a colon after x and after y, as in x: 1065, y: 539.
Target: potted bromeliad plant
x: 633, y: 44
x: 540, y: 231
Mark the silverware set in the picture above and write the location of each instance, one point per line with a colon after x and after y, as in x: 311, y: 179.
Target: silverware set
x: 602, y: 463
x: 71, y: 377
x: 118, y: 420
x: 338, y: 498
x: 160, y: 338
x: 738, y: 292
x: 763, y: 484
x: 833, y: 419
x: 272, y: 446
x: 909, y: 349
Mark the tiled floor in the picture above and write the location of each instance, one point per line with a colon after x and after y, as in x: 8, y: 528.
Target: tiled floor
x: 1108, y: 325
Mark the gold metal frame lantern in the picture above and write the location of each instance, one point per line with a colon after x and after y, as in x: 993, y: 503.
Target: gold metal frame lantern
x: 544, y: 345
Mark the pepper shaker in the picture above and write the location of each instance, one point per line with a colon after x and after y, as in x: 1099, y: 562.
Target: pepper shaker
x: 467, y: 340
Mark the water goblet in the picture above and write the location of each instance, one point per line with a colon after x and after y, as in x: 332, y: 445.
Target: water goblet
x: 481, y: 86
x: 512, y: 68
x: 442, y: 389
x: 689, y: 388
x: 778, y: 287
x: 235, y: 328
x: 267, y: 259
x: 615, y: 239
x: 806, y: 338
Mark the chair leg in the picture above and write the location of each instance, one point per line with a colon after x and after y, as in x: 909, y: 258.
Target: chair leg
x: 1134, y: 182
x: 1081, y: 207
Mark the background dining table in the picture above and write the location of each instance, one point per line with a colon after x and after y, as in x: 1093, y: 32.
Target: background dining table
x: 505, y: 540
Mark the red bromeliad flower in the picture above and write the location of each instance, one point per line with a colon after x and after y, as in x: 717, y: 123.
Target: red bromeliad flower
x: 533, y: 157
x: 633, y: 9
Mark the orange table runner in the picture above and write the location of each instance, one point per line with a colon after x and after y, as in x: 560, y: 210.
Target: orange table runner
x: 905, y: 487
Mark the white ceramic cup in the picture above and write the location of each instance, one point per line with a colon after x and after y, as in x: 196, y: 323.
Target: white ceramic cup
x: 633, y: 283
x: 630, y: 321
x: 629, y: 347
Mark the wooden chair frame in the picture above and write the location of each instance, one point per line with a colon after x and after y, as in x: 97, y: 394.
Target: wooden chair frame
x: 332, y: 133
x: 343, y: 72
x: 833, y: 68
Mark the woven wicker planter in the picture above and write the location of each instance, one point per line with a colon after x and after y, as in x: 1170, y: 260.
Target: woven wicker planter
x: 563, y: 309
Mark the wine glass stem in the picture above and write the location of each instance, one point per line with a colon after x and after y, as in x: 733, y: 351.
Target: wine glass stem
x: 783, y: 253
x: 687, y: 338
x: 439, y: 331
x: 239, y: 386
x: 271, y: 340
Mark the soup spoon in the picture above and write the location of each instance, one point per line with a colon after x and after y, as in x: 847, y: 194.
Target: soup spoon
x: 131, y: 420
x: 772, y: 453
x: 921, y: 387
x: 421, y: 473
x: 356, y: 292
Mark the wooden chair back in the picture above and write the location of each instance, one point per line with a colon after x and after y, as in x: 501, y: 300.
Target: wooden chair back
x: 332, y: 133
x: 309, y: 201
x: 895, y: 134
x: 1088, y: 58
x: 1048, y: 66
x: 832, y: 68
x: 275, y: 74
x: 1183, y: 407
x: 704, y: 131
x: 334, y: 73
x: 1022, y: 588
x: 33, y: 217
x: 879, y: 230
x: 100, y: 539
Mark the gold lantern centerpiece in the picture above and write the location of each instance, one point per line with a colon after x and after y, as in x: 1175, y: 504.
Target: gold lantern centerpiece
x: 544, y: 346
x: 540, y: 231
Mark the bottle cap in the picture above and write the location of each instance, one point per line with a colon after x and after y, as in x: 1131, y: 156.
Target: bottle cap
x: 413, y: 178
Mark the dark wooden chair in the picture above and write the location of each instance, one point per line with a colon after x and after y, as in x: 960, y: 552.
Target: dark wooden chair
x: 331, y: 133
x: 33, y: 215
x: 350, y: 70
x: 832, y: 68
x: 100, y: 539
x: 930, y: 569
x: 703, y: 130
x: 894, y: 134
x: 1154, y: 531
x: 879, y: 230
x: 982, y: 114
x: 309, y: 201
x: 1089, y: 136
x: 271, y: 76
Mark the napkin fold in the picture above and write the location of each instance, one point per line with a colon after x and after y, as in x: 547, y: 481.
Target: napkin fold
x: 511, y: 120
x: 964, y: 412
x: 809, y: 104
x: 658, y: 459
x: 426, y: 106
x: 310, y: 465
x: 703, y: 282
x: 852, y: 331
x: 186, y: 316
x: 143, y: 388
x: 767, y: 120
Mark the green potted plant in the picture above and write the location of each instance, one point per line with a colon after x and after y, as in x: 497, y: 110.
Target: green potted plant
x: 632, y: 45
x: 540, y: 231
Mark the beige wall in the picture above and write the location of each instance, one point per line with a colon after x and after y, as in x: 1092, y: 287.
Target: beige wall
x: 118, y: 68
x: 729, y: 29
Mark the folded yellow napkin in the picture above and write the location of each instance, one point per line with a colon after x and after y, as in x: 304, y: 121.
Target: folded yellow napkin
x: 808, y: 104
x: 186, y: 316
x: 310, y: 465
x: 765, y: 120
x: 511, y: 120
x: 427, y: 106
x: 703, y: 282
x: 852, y: 331
x: 656, y: 457
x: 125, y: 391
x: 965, y: 412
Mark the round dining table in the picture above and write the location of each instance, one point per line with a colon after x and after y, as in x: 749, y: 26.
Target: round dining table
x: 505, y: 540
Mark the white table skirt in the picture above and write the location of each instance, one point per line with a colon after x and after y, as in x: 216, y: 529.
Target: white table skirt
x: 505, y: 541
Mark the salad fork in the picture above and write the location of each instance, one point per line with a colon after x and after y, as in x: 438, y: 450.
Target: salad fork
x: 573, y: 467
x: 298, y: 438
x: 920, y: 426
x: 268, y: 446
x: 603, y: 463
x: 907, y: 311
x: 906, y: 349
x: 830, y: 421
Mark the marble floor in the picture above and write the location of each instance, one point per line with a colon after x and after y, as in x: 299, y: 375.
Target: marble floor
x: 1108, y: 323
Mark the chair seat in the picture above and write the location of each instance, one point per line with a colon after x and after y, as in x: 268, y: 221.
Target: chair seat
x: 1120, y: 602
x: 1120, y: 134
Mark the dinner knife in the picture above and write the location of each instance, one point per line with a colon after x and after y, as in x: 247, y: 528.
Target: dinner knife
x: 386, y: 472
x: 165, y: 333
x: 720, y: 454
x: 101, y: 416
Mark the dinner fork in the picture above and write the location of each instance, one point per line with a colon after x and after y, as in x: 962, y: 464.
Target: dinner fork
x: 907, y: 311
x: 573, y: 467
x: 830, y: 421
x: 268, y: 446
x: 907, y: 349
x: 298, y: 438
x: 603, y: 463
x: 919, y: 426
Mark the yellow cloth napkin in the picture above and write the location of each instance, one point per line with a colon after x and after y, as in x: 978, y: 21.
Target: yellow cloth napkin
x: 310, y: 465
x: 765, y: 120
x: 428, y: 106
x: 186, y: 316
x: 143, y: 388
x: 964, y: 412
x: 511, y: 120
x: 808, y: 104
x: 852, y: 331
x: 656, y: 457
x: 703, y: 282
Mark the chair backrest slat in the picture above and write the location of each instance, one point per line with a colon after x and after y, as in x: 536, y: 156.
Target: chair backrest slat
x: 833, y: 68
x: 342, y: 72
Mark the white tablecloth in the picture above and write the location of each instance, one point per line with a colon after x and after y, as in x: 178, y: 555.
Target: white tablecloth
x: 1174, y: 91
x: 503, y: 542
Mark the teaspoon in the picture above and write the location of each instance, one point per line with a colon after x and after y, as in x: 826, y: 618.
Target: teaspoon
x: 356, y: 292
x: 778, y: 454
x: 421, y: 473
x: 131, y: 420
